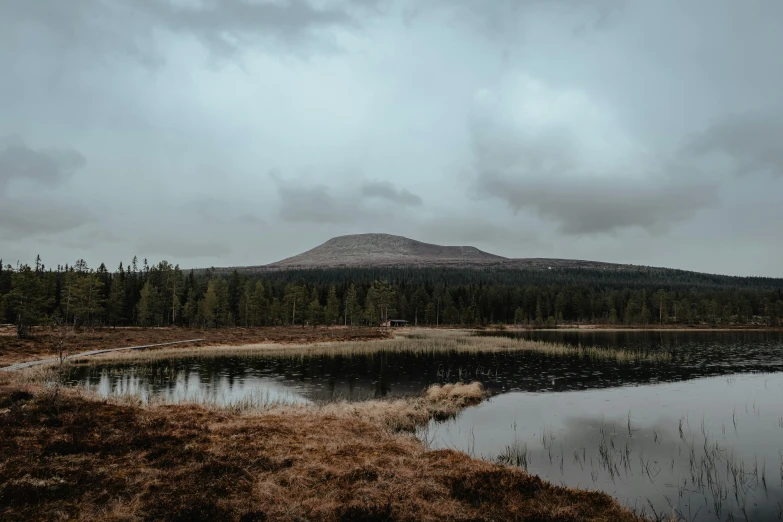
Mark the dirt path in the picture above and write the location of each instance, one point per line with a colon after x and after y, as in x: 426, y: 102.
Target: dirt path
x: 49, y: 360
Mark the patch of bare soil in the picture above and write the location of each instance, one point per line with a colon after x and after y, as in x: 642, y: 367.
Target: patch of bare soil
x: 42, y: 341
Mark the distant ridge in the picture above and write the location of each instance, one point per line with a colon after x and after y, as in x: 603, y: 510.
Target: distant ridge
x: 386, y: 250
x: 390, y: 252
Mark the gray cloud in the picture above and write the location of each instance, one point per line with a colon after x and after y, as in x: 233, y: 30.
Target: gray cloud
x: 182, y: 247
x: 304, y: 202
x: 89, y: 239
x: 129, y: 26
x: 209, y: 210
x: 496, y: 123
x: 584, y: 207
x: 28, y: 215
x: 501, y: 17
x: 247, y: 218
x: 50, y: 167
x: 385, y: 190
x: 566, y: 174
x: 224, y: 25
x: 458, y: 229
x: 752, y: 141
x: 32, y: 217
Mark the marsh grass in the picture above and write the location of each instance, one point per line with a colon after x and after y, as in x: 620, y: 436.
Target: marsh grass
x: 515, y: 454
x: 259, y: 458
x: 411, y: 341
x: 696, y: 463
x: 405, y: 414
x: 109, y: 460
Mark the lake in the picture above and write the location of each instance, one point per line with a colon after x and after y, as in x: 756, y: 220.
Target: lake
x: 700, y: 435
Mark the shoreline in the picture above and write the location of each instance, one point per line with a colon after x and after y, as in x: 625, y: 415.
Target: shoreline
x: 630, y: 328
x: 40, y: 345
x: 320, y: 448
x: 115, y: 459
x: 296, y: 339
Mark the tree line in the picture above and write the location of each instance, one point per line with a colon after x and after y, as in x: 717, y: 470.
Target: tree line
x: 164, y: 295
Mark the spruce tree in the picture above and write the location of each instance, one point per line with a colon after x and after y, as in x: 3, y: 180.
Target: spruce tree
x: 26, y: 300
x: 116, y: 302
x: 147, y: 306
x: 352, y: 308
x: 87, y: 299
x: 332, y: 306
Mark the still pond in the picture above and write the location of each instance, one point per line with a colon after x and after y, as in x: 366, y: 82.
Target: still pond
x: 699, y: 436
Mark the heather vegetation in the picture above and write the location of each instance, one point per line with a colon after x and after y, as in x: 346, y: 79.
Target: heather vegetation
x: 69, y: 456
x: 164, y: 295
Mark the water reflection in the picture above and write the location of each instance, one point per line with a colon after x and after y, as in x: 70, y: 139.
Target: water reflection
x: 652, y: 435
x: 709, y: 449
x: 384, y: 374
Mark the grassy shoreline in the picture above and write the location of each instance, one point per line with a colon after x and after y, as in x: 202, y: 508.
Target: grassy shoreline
x: 72, y: 456
x: 39, y: 346
x: 67, y: 454
x: 408, y: 341
x: 41, y: 343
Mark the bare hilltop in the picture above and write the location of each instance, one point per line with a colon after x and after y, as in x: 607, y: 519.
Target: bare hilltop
x: 388, y: 250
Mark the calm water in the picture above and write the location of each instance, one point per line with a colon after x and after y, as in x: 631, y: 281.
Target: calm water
x: 702, y: 436
x: 704, y: 449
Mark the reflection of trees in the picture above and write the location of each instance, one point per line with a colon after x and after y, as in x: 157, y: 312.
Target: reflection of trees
x: 382, y: 374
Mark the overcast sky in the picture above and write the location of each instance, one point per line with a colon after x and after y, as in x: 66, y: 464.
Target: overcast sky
x: 240, y: 132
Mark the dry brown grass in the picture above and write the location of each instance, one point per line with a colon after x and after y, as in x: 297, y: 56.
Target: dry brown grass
x: 437, y: 402
x: 41, y: 343
x: 84, y: 459
x: 418, y: 340
x: 75, y: 456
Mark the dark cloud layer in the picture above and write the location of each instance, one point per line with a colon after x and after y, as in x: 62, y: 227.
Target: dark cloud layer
x: 385, y: 190
x: 564, y: 172
x: 304, y: 202
x: 223, y: 25
x: 30, y: 214
x: 501, y: 18
x: 50, y: 167
x: 751, y: 141
x: 33, y: 217
x: 96, y: 27
x: 585, y: 207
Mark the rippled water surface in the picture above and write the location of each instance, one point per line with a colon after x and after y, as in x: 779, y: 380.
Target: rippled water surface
x: 700, y: 436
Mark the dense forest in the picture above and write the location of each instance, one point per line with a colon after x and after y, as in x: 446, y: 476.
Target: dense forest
x: 163, y: 295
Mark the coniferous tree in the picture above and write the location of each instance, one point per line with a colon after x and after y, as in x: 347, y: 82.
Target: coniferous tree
x: 259, y: 305
x: 352, y: 308
x: 215, y: 308
x: 430, y: 313
x: 235, y: 287
x: 86, y: 299
x: 332, y: 311
x: 190, y: 310
x: 539, y: 313
x: 115, y: 306
x: 26, y: 300
x: 294, y: 302
x: 314, y: 309
x: 379, y: 299
x: 147, y: 307
x: 419, y: 304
